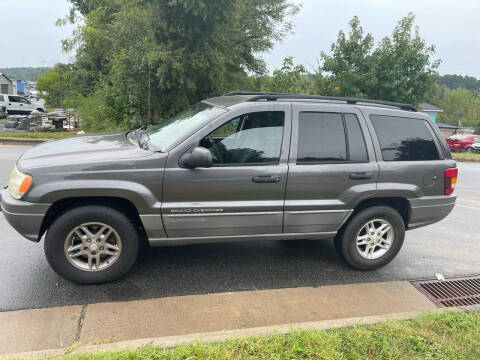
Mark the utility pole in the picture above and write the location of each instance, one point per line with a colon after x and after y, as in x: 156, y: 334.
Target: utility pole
x: 149, y: 93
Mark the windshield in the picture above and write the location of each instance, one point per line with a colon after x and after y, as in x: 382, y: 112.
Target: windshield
x: 171, y: 131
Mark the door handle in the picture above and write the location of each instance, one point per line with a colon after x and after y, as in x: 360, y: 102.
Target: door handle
x: 360, y: 176
x: 266, y: 179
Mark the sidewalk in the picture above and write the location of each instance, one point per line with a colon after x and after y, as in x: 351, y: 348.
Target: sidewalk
x: 211, y: 317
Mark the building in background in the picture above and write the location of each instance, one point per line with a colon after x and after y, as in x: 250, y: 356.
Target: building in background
x: 7, y: 86
x: 430, y: 110
x: 452, y: 129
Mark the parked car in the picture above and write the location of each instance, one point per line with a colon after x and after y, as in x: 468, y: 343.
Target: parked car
x: 245, y: 166
x: 475, y: 147
x: 462, y: 142
x: 19, y: 105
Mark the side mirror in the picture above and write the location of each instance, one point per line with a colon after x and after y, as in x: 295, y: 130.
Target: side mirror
x: 198, y: 158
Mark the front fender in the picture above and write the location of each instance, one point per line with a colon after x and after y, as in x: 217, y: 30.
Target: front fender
x: 139, y: 195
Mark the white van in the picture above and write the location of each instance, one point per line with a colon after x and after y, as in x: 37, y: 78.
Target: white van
x: 19, y: 105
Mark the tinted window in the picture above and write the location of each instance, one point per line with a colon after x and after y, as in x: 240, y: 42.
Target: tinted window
x: 356, y: 141
x: 13, y: 99
x: 404, y: 139
x: 22, y: 100
x: 1, y: 98
x: 249, y: 139
x: 321, y: 138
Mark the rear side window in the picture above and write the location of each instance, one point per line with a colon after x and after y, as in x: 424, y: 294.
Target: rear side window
x: 356, y: 141
x: 330, y: 137
x: 404, y: 139
x: 1, y: 98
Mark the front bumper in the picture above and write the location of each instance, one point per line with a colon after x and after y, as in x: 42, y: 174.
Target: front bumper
x: 429, y: 210
x: 25, y: 217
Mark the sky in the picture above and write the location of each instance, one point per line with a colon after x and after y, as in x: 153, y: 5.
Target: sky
x: 452, y: 25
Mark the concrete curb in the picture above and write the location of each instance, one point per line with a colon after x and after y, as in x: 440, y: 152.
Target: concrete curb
x: 219, y: 336
x: 20, y: 141
x: 166, y: 322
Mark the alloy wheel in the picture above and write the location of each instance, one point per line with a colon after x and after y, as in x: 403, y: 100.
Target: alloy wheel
x: 93, y: 246
x: 375, y: 239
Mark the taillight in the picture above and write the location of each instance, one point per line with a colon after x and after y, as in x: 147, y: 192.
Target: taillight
x: 450, y: 180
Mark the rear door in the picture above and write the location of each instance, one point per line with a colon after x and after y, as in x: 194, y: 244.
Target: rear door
x: 331, y: 167
x: 243, y: 192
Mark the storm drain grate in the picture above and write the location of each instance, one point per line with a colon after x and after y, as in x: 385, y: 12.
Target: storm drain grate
x: 458, y: 291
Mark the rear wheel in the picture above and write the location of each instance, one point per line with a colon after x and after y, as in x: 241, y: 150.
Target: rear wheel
x: 92, y: 244
x: 372, y: 238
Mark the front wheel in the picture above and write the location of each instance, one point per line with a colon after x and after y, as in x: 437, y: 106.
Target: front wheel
x: 92, y: 244
x: 372, y: 238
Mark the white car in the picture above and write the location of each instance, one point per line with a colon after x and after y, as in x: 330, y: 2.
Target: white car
x: 16, y: 104
x: 475, y: 147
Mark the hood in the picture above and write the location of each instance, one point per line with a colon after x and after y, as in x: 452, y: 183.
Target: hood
x: 82, y: 149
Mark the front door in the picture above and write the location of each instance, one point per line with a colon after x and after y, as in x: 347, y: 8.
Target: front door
x: 243, y: 192
x: 332, y: 166
x: 14, y: 104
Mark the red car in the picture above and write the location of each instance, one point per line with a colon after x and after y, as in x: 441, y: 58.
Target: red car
x: 462, y: 142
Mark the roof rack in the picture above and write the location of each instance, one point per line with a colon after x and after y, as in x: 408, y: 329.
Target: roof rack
x: 255, y: 96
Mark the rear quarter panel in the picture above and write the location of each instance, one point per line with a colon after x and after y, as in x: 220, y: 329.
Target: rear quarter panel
x: 410, y: 179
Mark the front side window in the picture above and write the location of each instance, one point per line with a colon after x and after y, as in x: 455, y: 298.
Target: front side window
x: 404, y: 139
x: 23, y: 100
x: 254, y: 138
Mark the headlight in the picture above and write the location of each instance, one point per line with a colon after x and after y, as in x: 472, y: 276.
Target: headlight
x: 19, y: 183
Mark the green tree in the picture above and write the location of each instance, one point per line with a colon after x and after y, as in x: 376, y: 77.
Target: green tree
x: 459, y: 81
x: 399, y: 69
x: 290, y: 78
x: 146, y: 57
x: 54, y: 84
x: 403, y: 65
x: 349, y: 64
x: 460, y: 107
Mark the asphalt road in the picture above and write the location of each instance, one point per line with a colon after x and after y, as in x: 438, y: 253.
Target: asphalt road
x: 451, y: 247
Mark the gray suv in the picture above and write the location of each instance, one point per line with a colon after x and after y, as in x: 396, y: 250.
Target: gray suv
x: 240, y: 167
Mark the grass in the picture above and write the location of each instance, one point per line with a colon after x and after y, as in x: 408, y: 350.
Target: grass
x: 38, y: 135
x: 449, y: 335
x: 466, y: 156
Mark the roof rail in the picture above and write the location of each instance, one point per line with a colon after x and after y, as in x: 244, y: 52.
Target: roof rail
x: 255, y: 96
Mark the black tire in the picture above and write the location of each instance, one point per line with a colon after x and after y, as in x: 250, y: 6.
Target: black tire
x: 346, y: 242
x: 64, y: 224
x: 337, y: 243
